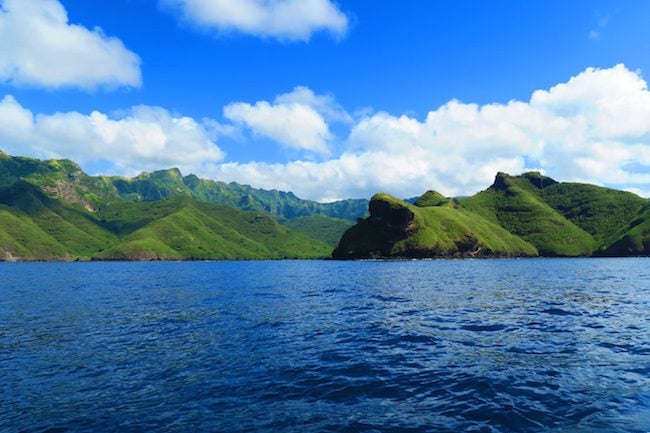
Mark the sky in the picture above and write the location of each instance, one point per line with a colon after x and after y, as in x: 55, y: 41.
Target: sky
x: 332, y: 99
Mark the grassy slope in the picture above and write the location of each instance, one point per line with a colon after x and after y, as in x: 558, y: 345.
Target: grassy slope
x: 515, y: 204
x: 447, y: 227
x: 184, y: 228
x: 599, y: 211
x: 62, y: 179
x: 631, y: 239
x: 328, y: 230
x: 431, y: 232
x: 21, y: 238
x: 431, y: 198
x: 170, y: 183
x: 36, y: 227
x: 560, y: 219
x: 65, y: 180
x: 46, y: 228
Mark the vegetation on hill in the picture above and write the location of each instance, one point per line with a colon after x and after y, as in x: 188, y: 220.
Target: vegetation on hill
x: 37, y: 227
x: 631, y: 240
x: 52, y: 210
x: 517, y: 216
x: 65, y: 180
x: 599, y: 211
x: 515, y: 204
x: 398, y: 229
x: 34, y: 226
x: 182, y: 228
x: 328, y: 230
x: 431, y: 198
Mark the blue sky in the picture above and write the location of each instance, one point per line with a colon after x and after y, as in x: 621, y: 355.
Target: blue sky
x: 341, y: 99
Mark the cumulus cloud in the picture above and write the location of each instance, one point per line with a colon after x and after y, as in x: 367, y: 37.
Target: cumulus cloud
x: 325, y: 105
x: 594, y: 128
x: 297, y: 119
x: 281, y: 19
x: 142, y: 138
x: 39, y: 47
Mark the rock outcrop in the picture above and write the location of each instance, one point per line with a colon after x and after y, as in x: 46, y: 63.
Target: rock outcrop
x: 396, y: 229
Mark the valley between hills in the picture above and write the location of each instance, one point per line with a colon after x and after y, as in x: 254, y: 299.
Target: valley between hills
x: 53, y: 211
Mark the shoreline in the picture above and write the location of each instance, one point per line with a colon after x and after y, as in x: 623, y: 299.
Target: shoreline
x: 327, y: 259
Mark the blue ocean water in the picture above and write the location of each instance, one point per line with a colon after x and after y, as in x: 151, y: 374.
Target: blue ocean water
x: 537, y: 345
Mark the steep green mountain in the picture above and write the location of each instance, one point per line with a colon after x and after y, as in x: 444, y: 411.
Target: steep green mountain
x: 326, y: 229
x: 183, y: 228
x: 65, y: 180
x: 170, y: 183
x: 631, y: 240
x: 599, y: 211
x: 52, y: 210
x: 516, y: 204
x: 34, y: 226
x: 62, y: 179
x: 397, y: 229
x: 550, y: 218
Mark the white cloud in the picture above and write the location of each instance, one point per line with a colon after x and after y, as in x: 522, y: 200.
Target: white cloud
x: 325, y: 105
x: 144, y: 138
x: 589, y: 129
x: 281, y: 19
x: 39, y: 47
x: 296, y: 120
x: 593, y: 128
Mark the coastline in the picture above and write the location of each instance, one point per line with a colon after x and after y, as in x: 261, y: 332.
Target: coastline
x: 329, y: 259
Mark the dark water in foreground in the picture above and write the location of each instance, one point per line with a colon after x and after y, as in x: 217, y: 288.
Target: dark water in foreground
x: 493, y: 345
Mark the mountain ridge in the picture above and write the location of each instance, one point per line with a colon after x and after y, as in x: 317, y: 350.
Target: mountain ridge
x: 555, y: 219
x: 36, y: 227
x: 52, y: 210
x: 64, y: 179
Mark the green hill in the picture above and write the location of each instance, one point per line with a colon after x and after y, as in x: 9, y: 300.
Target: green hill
x: 327, y: 229
x: 432, y: 198
x: 631, y: 240
x: 34, y: 226
x: 599, y: 211
x: 63, y: 179
x: 52, y: 210
x: 182, y: 228
x: 516, y: 204
x: 521, y: 215
x: 396, y: 229
x: 285, y: 205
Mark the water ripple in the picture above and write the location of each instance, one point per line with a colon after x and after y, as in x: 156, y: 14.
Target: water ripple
x: 434, y: 346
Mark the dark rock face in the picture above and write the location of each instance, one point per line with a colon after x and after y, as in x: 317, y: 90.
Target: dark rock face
x: 538, y: 180
x: 391, y: 217
x: 535, y: 178
x: 374, y: 237
x: 500, y: 181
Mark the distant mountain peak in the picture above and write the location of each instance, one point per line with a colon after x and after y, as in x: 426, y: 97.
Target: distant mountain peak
x: 65, y: 180
x: 501, y: 181
x: 537, y: 179
x: 167, y: 173
x: 431, y: 198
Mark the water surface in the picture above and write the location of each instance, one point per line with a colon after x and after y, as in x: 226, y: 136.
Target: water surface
x: 310, y: 346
